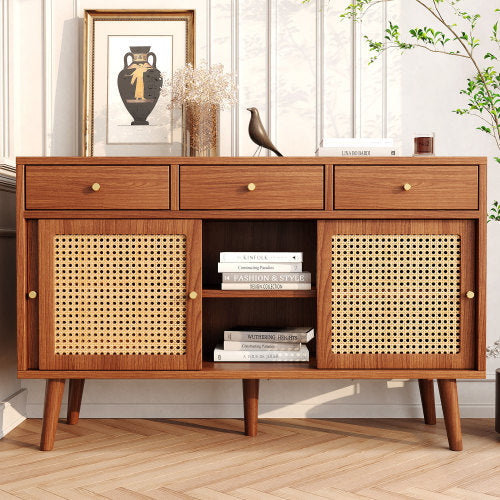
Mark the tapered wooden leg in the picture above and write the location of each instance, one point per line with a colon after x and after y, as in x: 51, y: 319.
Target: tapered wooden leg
x: 251, y: 405
x: 427, y: 396
x: 75, y: 399
x: 53, y: 397
x: 449, y: 403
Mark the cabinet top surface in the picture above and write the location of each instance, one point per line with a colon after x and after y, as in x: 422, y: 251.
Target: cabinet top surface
x: 250, y: 160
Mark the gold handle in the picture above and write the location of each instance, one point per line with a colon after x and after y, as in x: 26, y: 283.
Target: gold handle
x: 470, y: 294
x: 96, y: 186
x: 32, y: 294
x: 193, y: 295
x: 251, y: 186
x: 406, y: 187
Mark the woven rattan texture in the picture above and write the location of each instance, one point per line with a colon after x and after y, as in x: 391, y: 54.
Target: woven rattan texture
x: 395, y: 294
x: 120, y: 294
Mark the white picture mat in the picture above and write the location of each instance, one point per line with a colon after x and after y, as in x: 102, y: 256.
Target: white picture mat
x: 119, y: 129
x: 133, y: 29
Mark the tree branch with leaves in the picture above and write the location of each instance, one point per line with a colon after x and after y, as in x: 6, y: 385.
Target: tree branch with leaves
x: 455, y: 37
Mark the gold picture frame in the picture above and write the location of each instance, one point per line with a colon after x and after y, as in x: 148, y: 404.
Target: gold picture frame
x: 125, y: 54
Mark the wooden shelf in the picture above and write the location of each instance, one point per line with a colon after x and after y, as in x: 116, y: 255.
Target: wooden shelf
x: 264, y: 294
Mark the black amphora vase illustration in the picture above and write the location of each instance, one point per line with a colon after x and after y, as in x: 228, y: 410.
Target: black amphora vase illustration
x: 139, y: 84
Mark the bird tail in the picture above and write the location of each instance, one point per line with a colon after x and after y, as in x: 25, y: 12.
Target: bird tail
x: 278, y: 153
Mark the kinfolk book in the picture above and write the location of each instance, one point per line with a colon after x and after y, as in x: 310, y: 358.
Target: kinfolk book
x: 252, y: 334
x: 261, y: 257
x: 301, y: 355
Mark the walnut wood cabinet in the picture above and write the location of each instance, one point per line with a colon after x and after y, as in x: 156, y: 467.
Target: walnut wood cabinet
x: 117, y: 270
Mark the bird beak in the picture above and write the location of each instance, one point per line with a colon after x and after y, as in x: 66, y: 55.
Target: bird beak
x: 249, y: 109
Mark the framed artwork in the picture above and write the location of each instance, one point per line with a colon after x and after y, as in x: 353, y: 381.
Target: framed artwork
x: 127, y: 56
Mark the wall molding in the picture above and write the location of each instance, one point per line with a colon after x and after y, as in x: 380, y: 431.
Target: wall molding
x: 12, y: 411
x: 6, y: 87
x: 7, y: 233
x: 384, y: 71
x: 208, y: 8
x: 235, y: 70
x: 320, y: 74
x: 356, y: 78
x: 7, y: 175
x: 78, y: 79
x: 272, y: 77
x: 47, y: 77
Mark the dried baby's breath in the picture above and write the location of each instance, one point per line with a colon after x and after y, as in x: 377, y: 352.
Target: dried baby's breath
x: 203, y: 84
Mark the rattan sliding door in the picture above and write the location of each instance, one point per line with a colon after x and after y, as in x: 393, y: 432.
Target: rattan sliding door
x: 396, y: 294
x: 118, y: 294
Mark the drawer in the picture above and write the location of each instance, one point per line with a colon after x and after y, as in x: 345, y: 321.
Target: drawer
x: 70, y: 187
x: 272, y: 187
x: 406, y: 187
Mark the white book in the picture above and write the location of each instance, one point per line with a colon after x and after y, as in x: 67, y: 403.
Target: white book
x: 298, y: 334
x: 234, y: 345
x: 357, y: 151
x: 289, y: 257
x: 301, y: 355
x: 266, y: 277
x: 266, y: 286
x: 341, y: 142
x: 259, y: 267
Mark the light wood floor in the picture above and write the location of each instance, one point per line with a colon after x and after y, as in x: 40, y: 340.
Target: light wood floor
x: 289, y: 459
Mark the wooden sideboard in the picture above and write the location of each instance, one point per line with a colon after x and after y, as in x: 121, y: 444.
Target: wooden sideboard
x: 405, y: 298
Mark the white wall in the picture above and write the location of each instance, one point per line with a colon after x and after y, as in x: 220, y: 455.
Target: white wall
x: 307, y: 73
x: 12, y: 397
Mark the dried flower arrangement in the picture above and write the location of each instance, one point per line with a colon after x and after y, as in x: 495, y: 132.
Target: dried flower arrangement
x: 201, y: 91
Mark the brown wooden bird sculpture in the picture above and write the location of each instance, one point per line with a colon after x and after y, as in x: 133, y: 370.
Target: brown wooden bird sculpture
x: 258, y: 134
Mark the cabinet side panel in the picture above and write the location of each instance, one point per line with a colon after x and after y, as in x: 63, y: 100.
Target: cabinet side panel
x: 22, y: 347
x: 481, y: 270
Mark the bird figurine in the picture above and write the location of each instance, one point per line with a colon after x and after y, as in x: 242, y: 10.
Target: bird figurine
x: 258, y: 134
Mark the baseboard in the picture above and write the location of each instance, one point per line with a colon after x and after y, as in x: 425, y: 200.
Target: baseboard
x: 12, y: 411
x: 265, y: 411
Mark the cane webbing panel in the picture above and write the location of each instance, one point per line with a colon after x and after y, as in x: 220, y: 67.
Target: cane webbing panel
x: 395, y: 294
x: 120, y: 294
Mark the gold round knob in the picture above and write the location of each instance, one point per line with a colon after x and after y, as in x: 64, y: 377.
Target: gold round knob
x: 251, y: 186
x: 470, y: 294
x: 406, y: 187
x: 193, y: 295
x: 96, y: 186
x: 32, y: 294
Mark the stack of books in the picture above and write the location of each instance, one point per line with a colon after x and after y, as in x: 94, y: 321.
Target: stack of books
x: 263, y: 271
x: 256, y: 344
x: 357, y: 147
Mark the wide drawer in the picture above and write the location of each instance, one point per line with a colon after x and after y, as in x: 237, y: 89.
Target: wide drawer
x: 272, y: 187
x: 97, y: 187
x: 406, y: 187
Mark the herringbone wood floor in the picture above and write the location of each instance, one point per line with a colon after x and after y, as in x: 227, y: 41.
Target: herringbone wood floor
x: 289, y: 459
